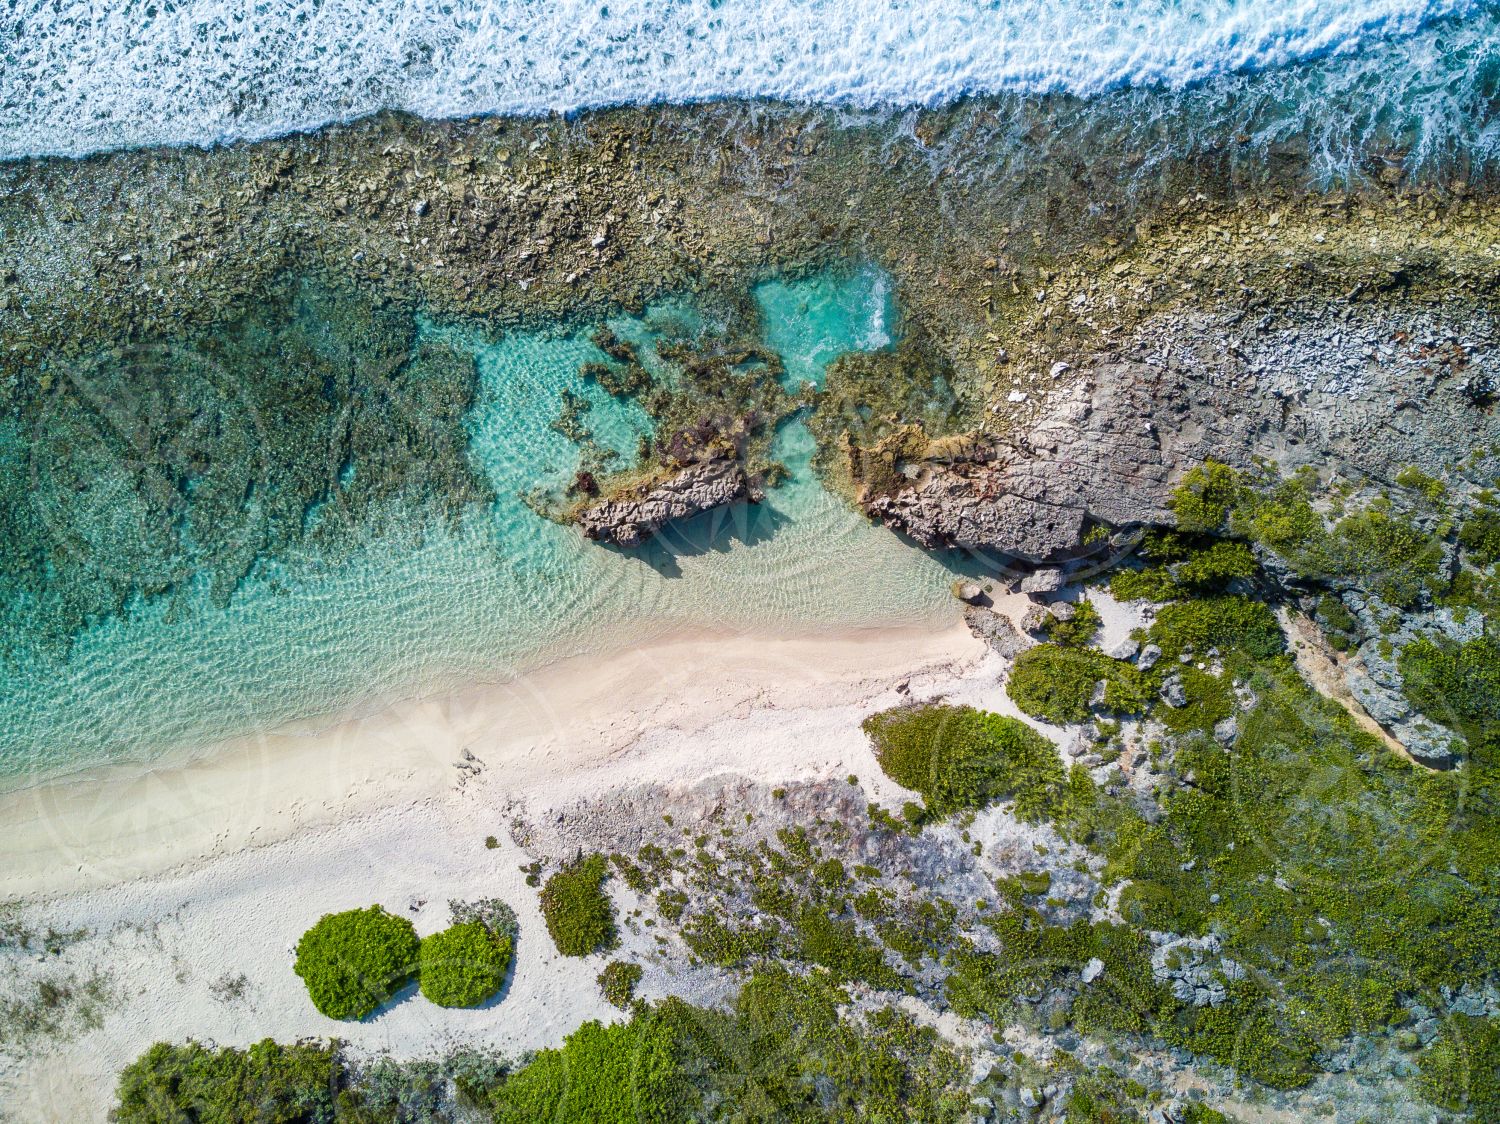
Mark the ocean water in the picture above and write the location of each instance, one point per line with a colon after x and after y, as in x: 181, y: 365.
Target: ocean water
x: 77, y: 76
x: 505, y: 591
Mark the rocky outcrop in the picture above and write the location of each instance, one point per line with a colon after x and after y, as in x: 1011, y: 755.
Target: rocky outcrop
x: 629, y: 520
x: 1368, y: 391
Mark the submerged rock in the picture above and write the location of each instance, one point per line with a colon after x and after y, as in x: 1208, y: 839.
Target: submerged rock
x: 628, y: 521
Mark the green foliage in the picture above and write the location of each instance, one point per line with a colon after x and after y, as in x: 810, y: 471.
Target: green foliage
x: 1284, y: 520
x: 1203, y: 501
x: 1414, y: 479
x: 1390, y: 557
x: 782, y: 1052
x: 1056, y: 684
x: 1480, y: 536
x: 1079, y: 629
x: 579, y: 915
x: 958, y: 757
x: 1461, y: 1070
x: 352, y: 962
x: 1227, y: 623
x: 464, y: 965
x: 619, y: 980
x: 1184, y: 565
x: 265, y: 1084
x: 1457, y: 685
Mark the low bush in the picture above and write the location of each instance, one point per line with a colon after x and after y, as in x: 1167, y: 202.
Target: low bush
x: 267, y: 1082
x: 1056, y: 684
x: 958, y: 757
x: 579, y: 915
x: 1455, y: 684
x: 352, y: 962
x: 618, y: 982
x: 464, y: 965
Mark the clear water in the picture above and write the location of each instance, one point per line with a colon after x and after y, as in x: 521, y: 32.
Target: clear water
x: 507, y: 591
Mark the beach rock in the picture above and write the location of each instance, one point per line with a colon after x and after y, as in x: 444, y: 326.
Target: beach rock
x: 996, y: 631
x: 628, y: 522
x: 1110, y: 447
x: 1042, y: 582
x: 970, y: 593
x: 1036, y: 619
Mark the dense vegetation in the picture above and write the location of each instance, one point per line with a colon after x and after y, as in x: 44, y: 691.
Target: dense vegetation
x: 352, y: 962
x: 264, y: 1084
x: 579, y: 915
x: 464, y: 965
x: 958, y: 757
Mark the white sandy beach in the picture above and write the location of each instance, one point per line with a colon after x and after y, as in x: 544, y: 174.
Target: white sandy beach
x: 200, y: 870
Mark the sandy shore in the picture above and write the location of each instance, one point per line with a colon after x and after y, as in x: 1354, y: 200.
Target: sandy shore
x: 116, y: 824
x: 201, y: 872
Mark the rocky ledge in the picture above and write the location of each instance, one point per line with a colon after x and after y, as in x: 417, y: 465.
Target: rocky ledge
x: 1369, y: 388
x: 630, y: 518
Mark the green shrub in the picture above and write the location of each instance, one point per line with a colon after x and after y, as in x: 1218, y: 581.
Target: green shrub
x: 1217, y: 622
x: 1057, y: 684
x: 1461, y: 1070
x: 1391, y: 558
x: 619, y: 980
x: 1079, y: 629
x: 1284, y: 521
x: 1205, y: 498
x: 578, y: 912
x: 958, y: 757
x: 352, y: 962
x: 464, y: 965
x: 1455, y: 684
x: 267, y: 1082
x: 1480, y: 536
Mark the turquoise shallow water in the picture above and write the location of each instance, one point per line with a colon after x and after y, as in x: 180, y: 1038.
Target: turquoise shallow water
x: 506, y: 590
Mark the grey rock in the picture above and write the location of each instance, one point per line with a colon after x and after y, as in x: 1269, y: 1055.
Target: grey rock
x: 1036, y: 619
x: 1172, y: 691
x: 1062, y: 610
x: 970, y: 593
x: 1109, y: 448
x: 1149, y: 655
x: 1429, y: 743
x: 628, y: 522
x: 1226, y: 731
x: 1092, y: 970
x: 996, y: 631
x: 1043, y: 581
x: 1124, y: 650
x: 1384, y: 704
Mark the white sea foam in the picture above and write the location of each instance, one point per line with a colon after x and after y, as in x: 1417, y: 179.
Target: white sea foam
x: 82, y: 75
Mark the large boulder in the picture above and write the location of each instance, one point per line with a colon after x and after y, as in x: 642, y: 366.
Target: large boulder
x: 629, y: 520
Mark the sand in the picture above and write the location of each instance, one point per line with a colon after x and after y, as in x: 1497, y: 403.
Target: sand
x: 206, y: 868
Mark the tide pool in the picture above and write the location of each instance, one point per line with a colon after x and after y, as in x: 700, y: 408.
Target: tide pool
x: 505, y: 590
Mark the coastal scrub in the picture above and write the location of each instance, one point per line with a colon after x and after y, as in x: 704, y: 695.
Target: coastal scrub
x: 464, y: 965
x: 352, y: 962
x: 578, y: 912
x: 958, y: 757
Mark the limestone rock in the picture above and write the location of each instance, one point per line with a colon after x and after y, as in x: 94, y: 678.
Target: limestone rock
x: 1043, y: 581
x: 996, y: 631
x: 628, y: 522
